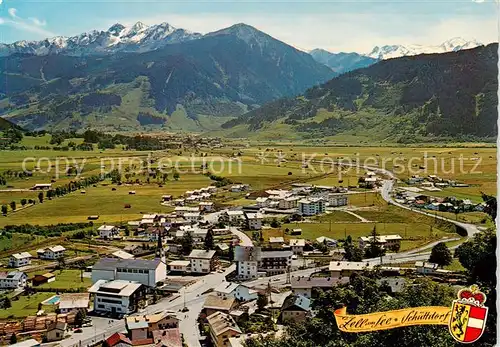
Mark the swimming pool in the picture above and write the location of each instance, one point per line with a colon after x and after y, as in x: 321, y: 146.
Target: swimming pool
x: 54, y: 300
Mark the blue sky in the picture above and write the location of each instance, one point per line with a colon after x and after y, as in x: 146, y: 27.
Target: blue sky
x: 333, y: 25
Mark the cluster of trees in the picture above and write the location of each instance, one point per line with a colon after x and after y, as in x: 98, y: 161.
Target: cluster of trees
x: 45, y: 230
x: 76, y: 185
x: 219, y: 180
x: 138, y: 142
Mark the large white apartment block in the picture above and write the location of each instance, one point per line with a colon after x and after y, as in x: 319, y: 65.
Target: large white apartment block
x: 202, y: 261
x: 51, y: 253
x: 107, y: 231
x: 247, y: 258
x: 13, y: 280
x: 288, y: 203
x: 311, y: 207
x: 336, y: 200
x: 146, y: 272
x: 20, y: 259
x: 116, y: 297
x: 254, y: 220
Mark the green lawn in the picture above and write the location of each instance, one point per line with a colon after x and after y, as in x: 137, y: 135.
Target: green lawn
x: 24, y: 306
x: 66, y: 279
x: 336, y: 216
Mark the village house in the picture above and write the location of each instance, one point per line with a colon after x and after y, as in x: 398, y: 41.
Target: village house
x: 121, y: 255
x: 202, y: 261
x: 192, y: 217
x: 179, y: 266
x: 303, y: 285
x: 385, y: 241
x: 276, y: 241
x: 116, y: 297
x: 20, y: 259
x: 206, y: 206
x: 235, y: 290
x: 142, y: 326
x: 296, y: 308
x: 336, y: 200
x: 247, y: 258
x: 262, y: 201
x: 55, y: 331
x: 42, y: 186
x: 311, y: 207
x: 275, y: 262
x: 73, y: 301
x: 222, y: 327
x: 118, y: 340
x: 13, y: 280
x: 297, y: 246
x: 42, y: 279
x: 107, y: 231
x: 327, y: 241
x: 51, y: 253
x: 235, y: 217
x: 254, y: 221
x: 214, y: 303
x: 134, y: 249
x: 427, y: 268
x: 221, y: 231
x: 146, y: 272
x: 347, y: 268
x: 238, y: 188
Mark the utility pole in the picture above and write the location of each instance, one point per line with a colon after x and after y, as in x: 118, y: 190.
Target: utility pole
x: 330, y: 227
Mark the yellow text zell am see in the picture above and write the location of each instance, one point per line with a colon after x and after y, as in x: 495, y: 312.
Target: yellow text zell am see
x: 392, y: 319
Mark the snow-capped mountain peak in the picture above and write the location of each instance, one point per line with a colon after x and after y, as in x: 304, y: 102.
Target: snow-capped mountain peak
x: 118, y: 38
x: 395, y: 51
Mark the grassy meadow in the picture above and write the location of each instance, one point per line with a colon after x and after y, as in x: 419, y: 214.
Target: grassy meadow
x: 263, y: 166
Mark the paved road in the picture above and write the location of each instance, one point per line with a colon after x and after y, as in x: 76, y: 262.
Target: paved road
x: 245, y: 240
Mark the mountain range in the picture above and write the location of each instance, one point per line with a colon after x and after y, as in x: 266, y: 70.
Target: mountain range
x: 193, y: 85
x: 243, y: 80
x: 408, y: 99
x: 118, y: 38
x: 396, y: 51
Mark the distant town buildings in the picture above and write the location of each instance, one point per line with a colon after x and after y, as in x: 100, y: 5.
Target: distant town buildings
x: 51, y: 253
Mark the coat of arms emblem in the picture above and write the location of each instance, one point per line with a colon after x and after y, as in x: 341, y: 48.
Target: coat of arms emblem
x: 468, y: 315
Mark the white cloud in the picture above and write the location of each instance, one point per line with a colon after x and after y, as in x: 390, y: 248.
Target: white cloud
x: 38, y: 22
x: 34, y: 25
x: 12, y: 12
x: 358, y: 32
x: 1, y: 2
x: 478, y: 1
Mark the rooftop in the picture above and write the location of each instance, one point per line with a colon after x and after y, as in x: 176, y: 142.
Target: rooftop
x: 226, y: 287
x: 73, y: 300
x: 297, y: 242
x: 115, y: 288
x: 201, y: 254
x: 21, y: 255
x: 112, y: 264
x: 349, y: 265
x: 122, y: 255
x: 106, y: 227
x: 297, y: 302
x: 220, y: 322
x: 316, y: 282
x: 216, y: 302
